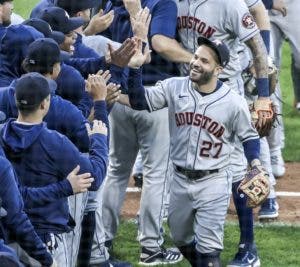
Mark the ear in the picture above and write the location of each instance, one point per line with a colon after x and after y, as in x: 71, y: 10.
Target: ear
x: 218, y: 70
x: 43, y: 104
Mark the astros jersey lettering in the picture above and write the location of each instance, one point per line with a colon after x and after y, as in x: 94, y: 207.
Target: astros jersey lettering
x: 201, y: 127
x: 229, y: 21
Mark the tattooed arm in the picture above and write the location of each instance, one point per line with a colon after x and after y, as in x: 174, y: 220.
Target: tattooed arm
x: 260, y: 62
x: 260, y: 56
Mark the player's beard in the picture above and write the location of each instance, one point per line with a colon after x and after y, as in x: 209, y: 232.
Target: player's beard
x: 6, y: 23
x: 201, y: 78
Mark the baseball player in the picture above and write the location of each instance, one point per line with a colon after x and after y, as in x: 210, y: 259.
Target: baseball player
x: 269, y: 208
x: 33, y: 100
x: 204, y: 116
x: 132, y: 130
x: 232, y: 23
x: 283, y: 15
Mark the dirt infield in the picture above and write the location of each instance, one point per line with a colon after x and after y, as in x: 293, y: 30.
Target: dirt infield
x: 289, y: 206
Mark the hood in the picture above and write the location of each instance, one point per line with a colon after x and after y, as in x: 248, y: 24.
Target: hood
x: 13, y: 49
x: 19, y: 137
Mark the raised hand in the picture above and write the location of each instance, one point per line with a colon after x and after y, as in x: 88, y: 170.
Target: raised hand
x: 140, y: 24
x: 96, y: 85
x: 113, y: 93
x: 99, y: 22
x: 122, y: 55
x: 140, y: 57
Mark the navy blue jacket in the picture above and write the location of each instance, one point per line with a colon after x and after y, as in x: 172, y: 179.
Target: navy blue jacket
x: 163, y: 22
x: 62, y: 116
x: 16, y: 219
x: 41, y: 157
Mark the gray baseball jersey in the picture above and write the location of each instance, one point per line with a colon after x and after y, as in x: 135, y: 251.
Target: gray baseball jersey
x: 229, y: 21
x: 201, y: 128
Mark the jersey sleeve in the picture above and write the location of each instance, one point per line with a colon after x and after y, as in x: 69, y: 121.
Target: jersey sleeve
x: 164, y: 19
x: 157, y: 96
x: 242, y: 125
x: 95, y: 162
x: 252, y: 3
x: 242, y: 22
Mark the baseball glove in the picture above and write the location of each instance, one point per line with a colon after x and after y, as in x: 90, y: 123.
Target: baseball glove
x: 256, y: 186
x: 265, y: 109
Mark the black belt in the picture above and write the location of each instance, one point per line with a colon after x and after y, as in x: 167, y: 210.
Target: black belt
x: 194, y: 174
x: 224, y: 80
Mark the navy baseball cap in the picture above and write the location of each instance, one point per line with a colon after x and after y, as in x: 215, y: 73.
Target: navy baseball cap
x: 59, y: 20
x: 219, y: 47
x: 74, y: 6
x: 31, y: 89
x: 43, y: 27
x: 44, y: 52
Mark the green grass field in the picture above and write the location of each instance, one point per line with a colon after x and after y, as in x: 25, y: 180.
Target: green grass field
x: 278, y: 244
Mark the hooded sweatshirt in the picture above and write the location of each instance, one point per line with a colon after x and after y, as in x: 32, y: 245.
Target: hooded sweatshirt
x: 41, y: 157
x: 16, y: 219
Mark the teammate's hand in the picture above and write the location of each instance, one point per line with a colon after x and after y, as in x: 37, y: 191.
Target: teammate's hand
x: 99, y: 22
x: 98, y: 127
x: 279, y: 5
x: 79, y: 182
x: 122, y: 55
x: 140, y: 57
x: 96, y: 85
x: 132, y: 6
x: 113, y: 93
x: 140, y: 24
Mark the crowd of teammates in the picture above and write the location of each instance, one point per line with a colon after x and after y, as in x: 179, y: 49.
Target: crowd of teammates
x: 79, y: 81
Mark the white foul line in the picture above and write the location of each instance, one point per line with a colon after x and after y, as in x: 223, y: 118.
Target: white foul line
x: 288, y: 194
x: 280, y: 193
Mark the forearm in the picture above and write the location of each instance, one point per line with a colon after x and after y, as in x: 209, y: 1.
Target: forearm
x: 98, y: 158
x: 260, y: 61
x: 136, y: 90
x: 262, y: 20
x: 42, y: 195
x: 251, y: 149
x: 170, y: 49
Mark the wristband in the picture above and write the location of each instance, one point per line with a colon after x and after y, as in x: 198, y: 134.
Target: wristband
x: 262, y: 85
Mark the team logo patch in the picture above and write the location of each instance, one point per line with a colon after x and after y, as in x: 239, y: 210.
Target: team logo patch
x: 248, y: 21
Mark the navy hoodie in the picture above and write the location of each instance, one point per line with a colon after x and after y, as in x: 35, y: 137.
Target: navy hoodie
x: 16, y: 219
x: 41, y: 157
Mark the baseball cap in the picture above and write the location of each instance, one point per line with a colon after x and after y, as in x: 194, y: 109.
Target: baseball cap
x: 43, y: 27
x: 31, y: 89
x: 74, y: 6
x: 219, y: 47
x: 44, y: 52
x: 60, y: 20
